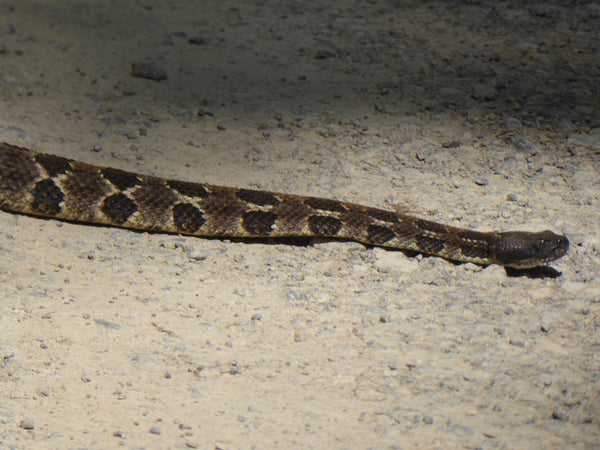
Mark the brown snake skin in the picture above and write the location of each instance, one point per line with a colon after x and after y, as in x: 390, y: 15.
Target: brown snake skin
x: 51, y: 186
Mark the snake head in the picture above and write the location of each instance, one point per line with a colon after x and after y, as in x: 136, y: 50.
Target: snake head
x: 525, y: 250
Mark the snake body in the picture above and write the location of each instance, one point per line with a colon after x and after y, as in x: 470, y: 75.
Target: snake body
x: 51, y: 186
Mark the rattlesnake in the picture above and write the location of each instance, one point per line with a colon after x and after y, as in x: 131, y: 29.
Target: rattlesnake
x: 45, y: 185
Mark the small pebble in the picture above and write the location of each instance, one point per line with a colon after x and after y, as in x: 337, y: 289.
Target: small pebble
x: 197, y: 40
x: 516, y: 342
x: 107, y: 324
x: 155, y: 430
x: 27, y: 424
x: 481, y: 91
x: 546, y: 379
x: 559, y: 415
x: 197, y: 255
x: 323, y: 54
x: 204, y: 112
x: 428, y: 420
x: 148, y: 70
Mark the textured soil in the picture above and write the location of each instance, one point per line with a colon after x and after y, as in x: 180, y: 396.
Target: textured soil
x: 478, y: 114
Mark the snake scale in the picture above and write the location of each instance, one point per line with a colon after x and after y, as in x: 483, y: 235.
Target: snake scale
x: 50, y: 186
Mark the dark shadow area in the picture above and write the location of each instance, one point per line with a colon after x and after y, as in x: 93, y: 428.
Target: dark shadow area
x: 535, y: 63
x: 536, y: 272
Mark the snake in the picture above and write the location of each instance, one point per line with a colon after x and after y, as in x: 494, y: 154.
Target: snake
x: 50, y: 186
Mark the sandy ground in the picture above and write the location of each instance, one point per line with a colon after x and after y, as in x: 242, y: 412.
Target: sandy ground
x: 480, y: 114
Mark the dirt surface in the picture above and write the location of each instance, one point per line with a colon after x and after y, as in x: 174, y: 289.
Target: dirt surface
x: 479, y: 114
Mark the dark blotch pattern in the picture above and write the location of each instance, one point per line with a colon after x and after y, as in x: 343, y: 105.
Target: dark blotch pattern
x: 16, y: 170
x: 258, y: 223
x: 471, y: 250
x: 154, y: 200
x: 325, y: 204
x: 429, y: 244
x: 118, y: 208
x: 187, y: 217
x: 324, y: 225
x: 54, y: 165
x: 259, y: 198
x: 47, y: 197
x: 120, y: 178
x: 432, y: 226
x: 379, y: 234
x: 187, y: 188
x: 84, y: 191
x: 383, y: 215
